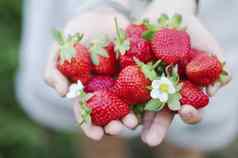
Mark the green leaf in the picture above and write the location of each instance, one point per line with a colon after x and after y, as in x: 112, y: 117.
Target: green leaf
x: 163, y: 20
x: 76, y: 38
x: 94, y: 58
x: 85, y: 114
x: 138, y: 109
x: 147, y: 69
x: 58, y: 36
x: 151, y: 30
x: 85, y: 111
x: 96, y: 51
x: 67, y: 52
x: 154, y: 105
x: 148, y: 35
x: 97, y: 48
x: 175, y: 21
x: 224, y: 77
x: 173, y: 102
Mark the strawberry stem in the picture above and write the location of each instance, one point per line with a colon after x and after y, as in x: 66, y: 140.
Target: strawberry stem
x: 122, y: 44
x: 156, y: 64
x: 118, y: 32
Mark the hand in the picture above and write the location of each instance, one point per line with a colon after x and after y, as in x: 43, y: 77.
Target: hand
x: 156, y: 124
x: 91, y: 24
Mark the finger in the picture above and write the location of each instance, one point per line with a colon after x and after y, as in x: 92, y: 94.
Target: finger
x: 159, y: 127
x: 52, y: 76
x: 212, y: 89
x: 90, y: 130
x: 189, y: 114
x: 61, y: 84
x: 147, y: 121
x: 201, y: 38
x: 130, y: 120
x: 113, y: 128
x: 82, y: 25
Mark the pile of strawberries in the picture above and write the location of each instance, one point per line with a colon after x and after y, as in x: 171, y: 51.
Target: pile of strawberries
x: 147, y: 67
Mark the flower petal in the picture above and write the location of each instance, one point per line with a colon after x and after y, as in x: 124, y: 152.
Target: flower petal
x: 155, y: 94
x: 165, y: 80
x: 155, y: 84
x: 71, y: 95
x: 80, y: 85
x: 163, y: 97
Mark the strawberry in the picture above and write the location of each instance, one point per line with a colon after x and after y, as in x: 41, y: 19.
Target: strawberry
x: 170, y: 44
x: 193, y: 95
x: 204, y: 69
x: 105, y: 106
x: 135, y: 30
x: 99, y: 83
x: 132, y: 46
x: 126, y: 60
x: 183, y: 63
x: 195, y: 52
x: 74, y: 59
x: 103, y: 57
x: 140, y: 49
x: 133, y: 82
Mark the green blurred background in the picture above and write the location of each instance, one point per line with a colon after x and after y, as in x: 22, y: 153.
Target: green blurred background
x: 19, y: 136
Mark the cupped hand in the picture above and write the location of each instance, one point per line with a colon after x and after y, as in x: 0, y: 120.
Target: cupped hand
x: 91, y: 24
x: 156, y: 124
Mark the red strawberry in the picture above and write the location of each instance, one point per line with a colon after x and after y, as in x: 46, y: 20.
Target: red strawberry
x: 183, y: 63
x: 106, y: 107
x: 132, y: 46
x: 99, y: 83
x: 74, y: 60
x: 135, y: 30
x: 126, y: 60
x: 140, y: 49
x: 133, y: 82
x: 170, y: 45
x: 204, y: 70
x: 193, y: 95
x: 103, y: 57
x: 132, y: 85
x: 195, y: 52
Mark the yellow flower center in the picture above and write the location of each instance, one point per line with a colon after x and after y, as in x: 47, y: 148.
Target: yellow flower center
x: 164, y: 88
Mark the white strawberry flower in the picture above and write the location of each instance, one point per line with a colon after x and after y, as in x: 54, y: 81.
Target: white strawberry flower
x: 162, y: 88
x: 75, y: 90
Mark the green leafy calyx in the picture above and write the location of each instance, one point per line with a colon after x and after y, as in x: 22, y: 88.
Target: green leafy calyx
x: 173, y: 22
x: 85, y: 111
x: 97, y: 49
x: 154, y: 105
x: 151, y: 30
x: 148, y: 69
x: 66, y: 45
